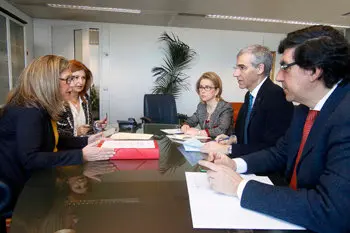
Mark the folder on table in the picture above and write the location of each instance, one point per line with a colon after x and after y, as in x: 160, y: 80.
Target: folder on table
x: 123, y: 165
x: 131, y: 149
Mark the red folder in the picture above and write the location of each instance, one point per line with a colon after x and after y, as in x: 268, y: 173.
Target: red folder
x: 136, y: 153
x: 122, y: 165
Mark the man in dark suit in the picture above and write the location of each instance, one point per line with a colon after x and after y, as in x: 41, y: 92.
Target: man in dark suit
x: 265, y: 115
x: 315, y: 151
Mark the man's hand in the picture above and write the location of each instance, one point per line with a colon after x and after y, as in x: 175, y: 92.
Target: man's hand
x: 93, y: 153
x: 219, y: 159
x: 222, y: 179
x: 214, y: 147
x: 226, y: 140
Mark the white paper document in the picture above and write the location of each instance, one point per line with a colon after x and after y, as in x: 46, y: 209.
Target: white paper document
x: 186, y: 137
x: 108, y: 132
x: 212, y: 210
x: 193, y: 145
x: 172, y: 131
x: 129, y: 144
x: 131, y: 136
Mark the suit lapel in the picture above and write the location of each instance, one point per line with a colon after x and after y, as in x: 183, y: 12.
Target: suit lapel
x: 322, y: 119
x: 301, y: 112
x: 259, y: 97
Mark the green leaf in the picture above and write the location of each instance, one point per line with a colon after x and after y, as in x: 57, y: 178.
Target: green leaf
x: 170, y: 76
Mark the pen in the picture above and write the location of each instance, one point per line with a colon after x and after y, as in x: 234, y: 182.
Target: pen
x: 223, y: 139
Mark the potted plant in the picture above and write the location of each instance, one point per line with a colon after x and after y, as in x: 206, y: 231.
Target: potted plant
x: 95, y: 102
x: 170, y: 76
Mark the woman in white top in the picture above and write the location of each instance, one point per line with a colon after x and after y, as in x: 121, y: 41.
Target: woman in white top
x: 77, y: 118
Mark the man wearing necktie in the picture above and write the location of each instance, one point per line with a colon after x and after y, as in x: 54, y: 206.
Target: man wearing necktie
x: 266, y: 114
x: 315, y: 151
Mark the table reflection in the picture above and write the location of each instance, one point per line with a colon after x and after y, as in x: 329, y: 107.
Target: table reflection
x: 110, y: 196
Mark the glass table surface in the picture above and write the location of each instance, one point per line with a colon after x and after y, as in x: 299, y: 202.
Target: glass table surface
x: 111, y: 196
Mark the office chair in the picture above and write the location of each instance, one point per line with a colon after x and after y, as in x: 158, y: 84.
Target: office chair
x: 159, y: 108
x: 5, y: 198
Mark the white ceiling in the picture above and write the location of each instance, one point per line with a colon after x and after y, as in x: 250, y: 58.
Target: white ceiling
x: 165, y: 12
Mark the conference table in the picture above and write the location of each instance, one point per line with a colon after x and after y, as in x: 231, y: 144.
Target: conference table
x: 112, y: 196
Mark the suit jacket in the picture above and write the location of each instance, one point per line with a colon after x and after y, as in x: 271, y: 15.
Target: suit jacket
x: 65, y: 125
x: 269, y: 119
x: 220, y: 120
x: 26, y: 144
x: 322, y: 202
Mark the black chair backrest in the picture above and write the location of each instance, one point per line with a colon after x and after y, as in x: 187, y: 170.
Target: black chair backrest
x: 160, y: 108
x: 5, y: 196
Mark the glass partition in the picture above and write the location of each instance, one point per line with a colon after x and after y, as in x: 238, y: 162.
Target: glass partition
x: 4, y: 72
x: 12, y: 54
x: 17, y: 50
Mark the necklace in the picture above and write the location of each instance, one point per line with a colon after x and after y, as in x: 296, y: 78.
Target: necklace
x: 75, y: 104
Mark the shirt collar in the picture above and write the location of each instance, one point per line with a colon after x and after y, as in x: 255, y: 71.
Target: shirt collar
x: 254, y: 93
x: 320, y: 103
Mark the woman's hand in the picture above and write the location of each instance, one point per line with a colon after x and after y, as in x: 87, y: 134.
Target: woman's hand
x: 92, y: 152
x: 94, y: 169
x: 193, y: 132
x: 83, y: 130
x: 184, y: 128
x: 101, y: 124
x: 95, y: 137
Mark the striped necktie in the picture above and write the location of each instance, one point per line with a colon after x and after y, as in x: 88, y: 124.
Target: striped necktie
x: 246, y: 123
x: 310, y: 119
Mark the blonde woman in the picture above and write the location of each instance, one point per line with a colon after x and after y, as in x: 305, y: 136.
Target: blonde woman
x: 28, y: 132
x: 213, y: 114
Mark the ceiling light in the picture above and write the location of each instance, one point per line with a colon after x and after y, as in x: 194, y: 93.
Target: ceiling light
x: 242, y: 18
x: 95, y: 8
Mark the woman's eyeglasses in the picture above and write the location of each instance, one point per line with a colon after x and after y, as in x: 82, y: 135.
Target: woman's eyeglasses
x: 206, y: 88
x: 71, y: 79
x: 68, y: 80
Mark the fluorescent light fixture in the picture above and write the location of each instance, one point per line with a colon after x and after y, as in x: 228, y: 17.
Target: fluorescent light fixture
x: 95, y: 8
x: 243, y: 18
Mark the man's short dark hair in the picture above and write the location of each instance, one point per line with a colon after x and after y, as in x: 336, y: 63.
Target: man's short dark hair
x: 320, y: 47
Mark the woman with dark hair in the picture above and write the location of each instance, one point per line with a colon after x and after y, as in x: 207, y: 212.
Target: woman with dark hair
x: 76, y: 119
x: 213, y: 114
x: 29, y: 138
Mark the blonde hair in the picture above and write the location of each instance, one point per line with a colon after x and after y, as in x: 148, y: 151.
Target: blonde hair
x: 215, y: 79
x: 39, y: 85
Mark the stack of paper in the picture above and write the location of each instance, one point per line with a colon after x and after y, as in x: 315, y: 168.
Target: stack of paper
x: 218, y: 211
x: 128, y: 144
x: 186, y: 137
x: 172, y: 131
x: 131, y: 136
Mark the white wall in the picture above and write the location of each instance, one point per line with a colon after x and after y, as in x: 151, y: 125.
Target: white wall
x: 128, y: 53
